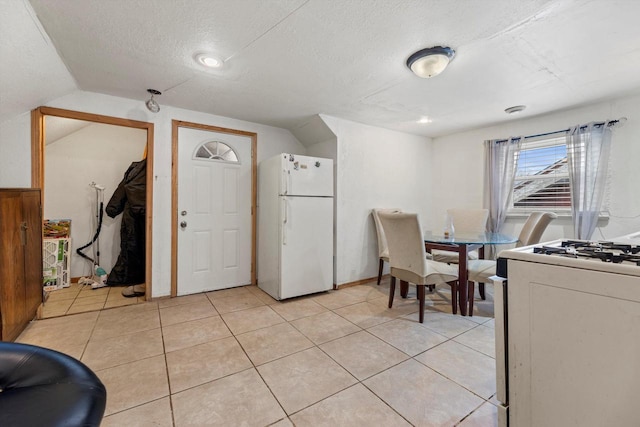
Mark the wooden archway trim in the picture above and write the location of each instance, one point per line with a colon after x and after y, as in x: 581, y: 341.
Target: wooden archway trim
x: 37, y: 164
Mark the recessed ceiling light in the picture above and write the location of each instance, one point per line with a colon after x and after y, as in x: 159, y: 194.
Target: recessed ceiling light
x: 516, y: 109
x: 209, y: 60
x: 424, y: 120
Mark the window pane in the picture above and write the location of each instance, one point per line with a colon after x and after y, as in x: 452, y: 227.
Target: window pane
x: 549, y: 193
x: 202, y: 153
x: 542, y: 177
x: 541, y: 160
x: 216, y: 150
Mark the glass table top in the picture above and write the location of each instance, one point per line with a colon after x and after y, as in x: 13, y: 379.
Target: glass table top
x: 470, y: 239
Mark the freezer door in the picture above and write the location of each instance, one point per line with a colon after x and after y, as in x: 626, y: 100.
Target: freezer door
x: 306, y: 251
x: 306, y: 176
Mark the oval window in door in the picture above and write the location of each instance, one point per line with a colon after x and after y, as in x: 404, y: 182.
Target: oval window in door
x: 216, y: 150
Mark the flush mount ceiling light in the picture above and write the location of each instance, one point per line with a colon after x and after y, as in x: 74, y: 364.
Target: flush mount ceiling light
x: 515, y: 110
x: 209, y: 60
x: 430, y: 62
x: 424, y: 120
x: 151, y: 103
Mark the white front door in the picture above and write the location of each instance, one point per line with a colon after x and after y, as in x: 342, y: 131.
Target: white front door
x: 214, y: 210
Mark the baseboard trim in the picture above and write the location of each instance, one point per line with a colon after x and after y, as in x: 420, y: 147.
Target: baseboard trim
x: 358, y: 282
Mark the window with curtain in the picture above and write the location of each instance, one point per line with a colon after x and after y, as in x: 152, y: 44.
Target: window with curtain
x: 564, y: 172
x: 542, y: 176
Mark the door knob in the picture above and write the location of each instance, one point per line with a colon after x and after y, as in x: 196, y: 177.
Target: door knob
x: 183, y: 224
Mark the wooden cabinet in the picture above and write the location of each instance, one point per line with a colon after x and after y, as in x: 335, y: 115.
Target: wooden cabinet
x: 20, y: 259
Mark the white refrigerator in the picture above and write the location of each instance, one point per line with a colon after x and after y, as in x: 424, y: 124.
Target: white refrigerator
x: 295, y: 225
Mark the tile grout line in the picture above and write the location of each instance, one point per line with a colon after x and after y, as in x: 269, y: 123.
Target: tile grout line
x: 358, y: 381
x: 254, y: 367
x: 166, y: 368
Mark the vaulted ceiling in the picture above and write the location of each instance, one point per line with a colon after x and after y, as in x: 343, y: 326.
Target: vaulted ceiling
x: 287, y: 60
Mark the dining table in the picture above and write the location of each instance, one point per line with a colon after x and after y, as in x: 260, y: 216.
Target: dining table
x: 463, y: 244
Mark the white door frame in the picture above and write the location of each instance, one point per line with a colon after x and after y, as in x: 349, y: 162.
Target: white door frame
x: 175, y: 124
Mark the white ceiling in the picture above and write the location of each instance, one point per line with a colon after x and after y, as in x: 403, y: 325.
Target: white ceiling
x: 287, y: 60
x: 31, y: 72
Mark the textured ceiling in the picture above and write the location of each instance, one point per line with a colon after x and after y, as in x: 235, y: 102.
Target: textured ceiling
x: 31, y: 72
x: 288, y: 60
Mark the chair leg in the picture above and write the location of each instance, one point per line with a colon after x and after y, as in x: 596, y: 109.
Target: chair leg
x: 392, y: 290
x: 404, y: 288
x: 420, y: 291
x: 470, y: 296
x: 380, y: 270
x: 481, y: 290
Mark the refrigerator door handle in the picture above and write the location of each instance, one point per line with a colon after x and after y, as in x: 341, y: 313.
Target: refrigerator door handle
x: 284, y: 222
x: 285, y: 181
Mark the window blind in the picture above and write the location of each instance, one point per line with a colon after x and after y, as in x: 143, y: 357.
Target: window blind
x: 542, y: 177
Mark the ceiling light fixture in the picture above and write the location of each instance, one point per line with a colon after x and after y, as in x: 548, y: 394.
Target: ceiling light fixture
x: 430, y: 62
x: 424, y: 120
x: 515, y: 110
x: 152, y: 104
x: 209, y: 60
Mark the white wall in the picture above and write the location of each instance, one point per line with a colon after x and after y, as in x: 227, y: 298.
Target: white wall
x: 327, y: 149
x: 15, y: 152
x: 97, y: 153
x: 377, y: 168
x: 15, y: 140
x: 458, y: 171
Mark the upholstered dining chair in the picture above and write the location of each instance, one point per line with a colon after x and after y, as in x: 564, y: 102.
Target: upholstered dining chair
x: 407, y: 257
x: 534, y: 227
x: 465, y: 222
x: 480, y: 270
x: 383, y: 250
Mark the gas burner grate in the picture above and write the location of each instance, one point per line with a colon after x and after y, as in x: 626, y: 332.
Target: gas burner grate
x: 625, y: 248
x: 550, y: 250
x: 605, y: 251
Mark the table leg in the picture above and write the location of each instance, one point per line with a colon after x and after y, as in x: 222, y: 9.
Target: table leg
x: 462, y: 279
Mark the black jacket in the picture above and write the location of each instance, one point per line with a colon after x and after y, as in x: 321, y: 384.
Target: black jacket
x: 130, y: 200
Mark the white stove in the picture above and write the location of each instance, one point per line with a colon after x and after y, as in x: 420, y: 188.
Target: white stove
x: 620, y: 255
x: 568, y: 333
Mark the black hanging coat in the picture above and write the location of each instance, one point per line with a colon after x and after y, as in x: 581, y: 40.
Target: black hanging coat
x: 130, y: 200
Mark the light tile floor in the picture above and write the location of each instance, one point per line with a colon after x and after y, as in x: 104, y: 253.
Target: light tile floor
x: 238, y: 357
x: 81, y: 299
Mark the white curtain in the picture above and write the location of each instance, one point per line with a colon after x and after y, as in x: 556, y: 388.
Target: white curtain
x: 500, y: 163
x: 588, y: 150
